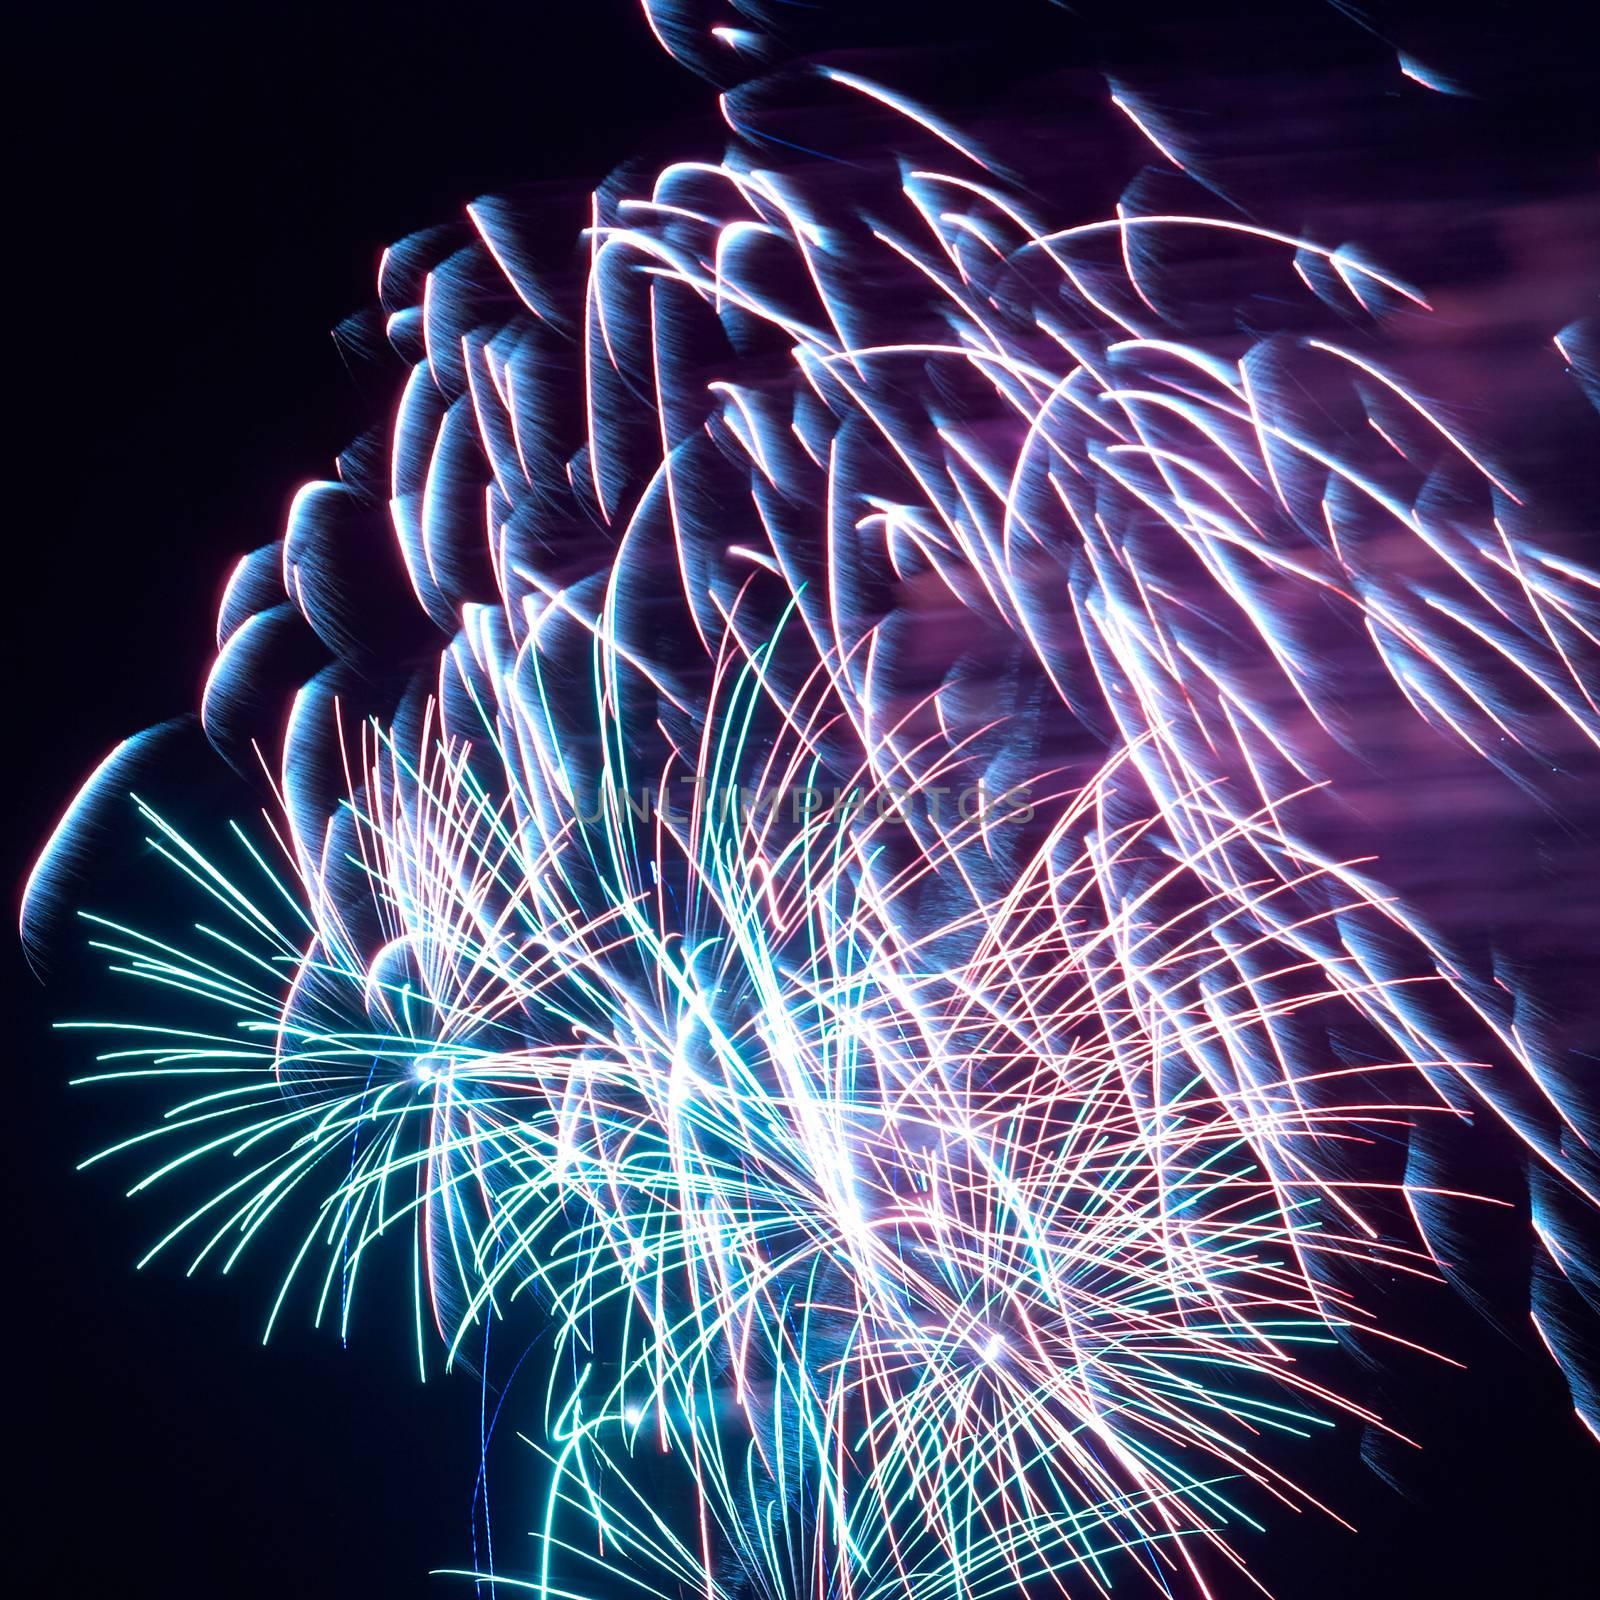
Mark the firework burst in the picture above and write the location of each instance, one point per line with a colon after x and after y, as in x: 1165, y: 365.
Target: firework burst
x: 805, y: 839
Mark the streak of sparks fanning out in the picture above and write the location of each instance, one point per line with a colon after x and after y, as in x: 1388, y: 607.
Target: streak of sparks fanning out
x: 805, y: 866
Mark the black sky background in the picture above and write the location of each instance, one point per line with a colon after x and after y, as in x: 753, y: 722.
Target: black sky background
x: 197, y: 198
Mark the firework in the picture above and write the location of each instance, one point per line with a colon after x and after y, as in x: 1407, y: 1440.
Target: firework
x: 805, y: 843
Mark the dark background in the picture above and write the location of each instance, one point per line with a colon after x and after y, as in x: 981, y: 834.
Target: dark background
x: 197, y: 198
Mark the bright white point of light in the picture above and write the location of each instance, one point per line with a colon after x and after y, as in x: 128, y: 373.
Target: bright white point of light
x: 993, y: 1349
x: 633, y: 1416
x: 430, y: 1067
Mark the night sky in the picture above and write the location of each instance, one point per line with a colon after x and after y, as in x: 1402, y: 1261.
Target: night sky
x: 198, y: 197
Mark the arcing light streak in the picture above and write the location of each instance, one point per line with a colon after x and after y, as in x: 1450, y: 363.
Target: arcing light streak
x: 924, y: 1199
